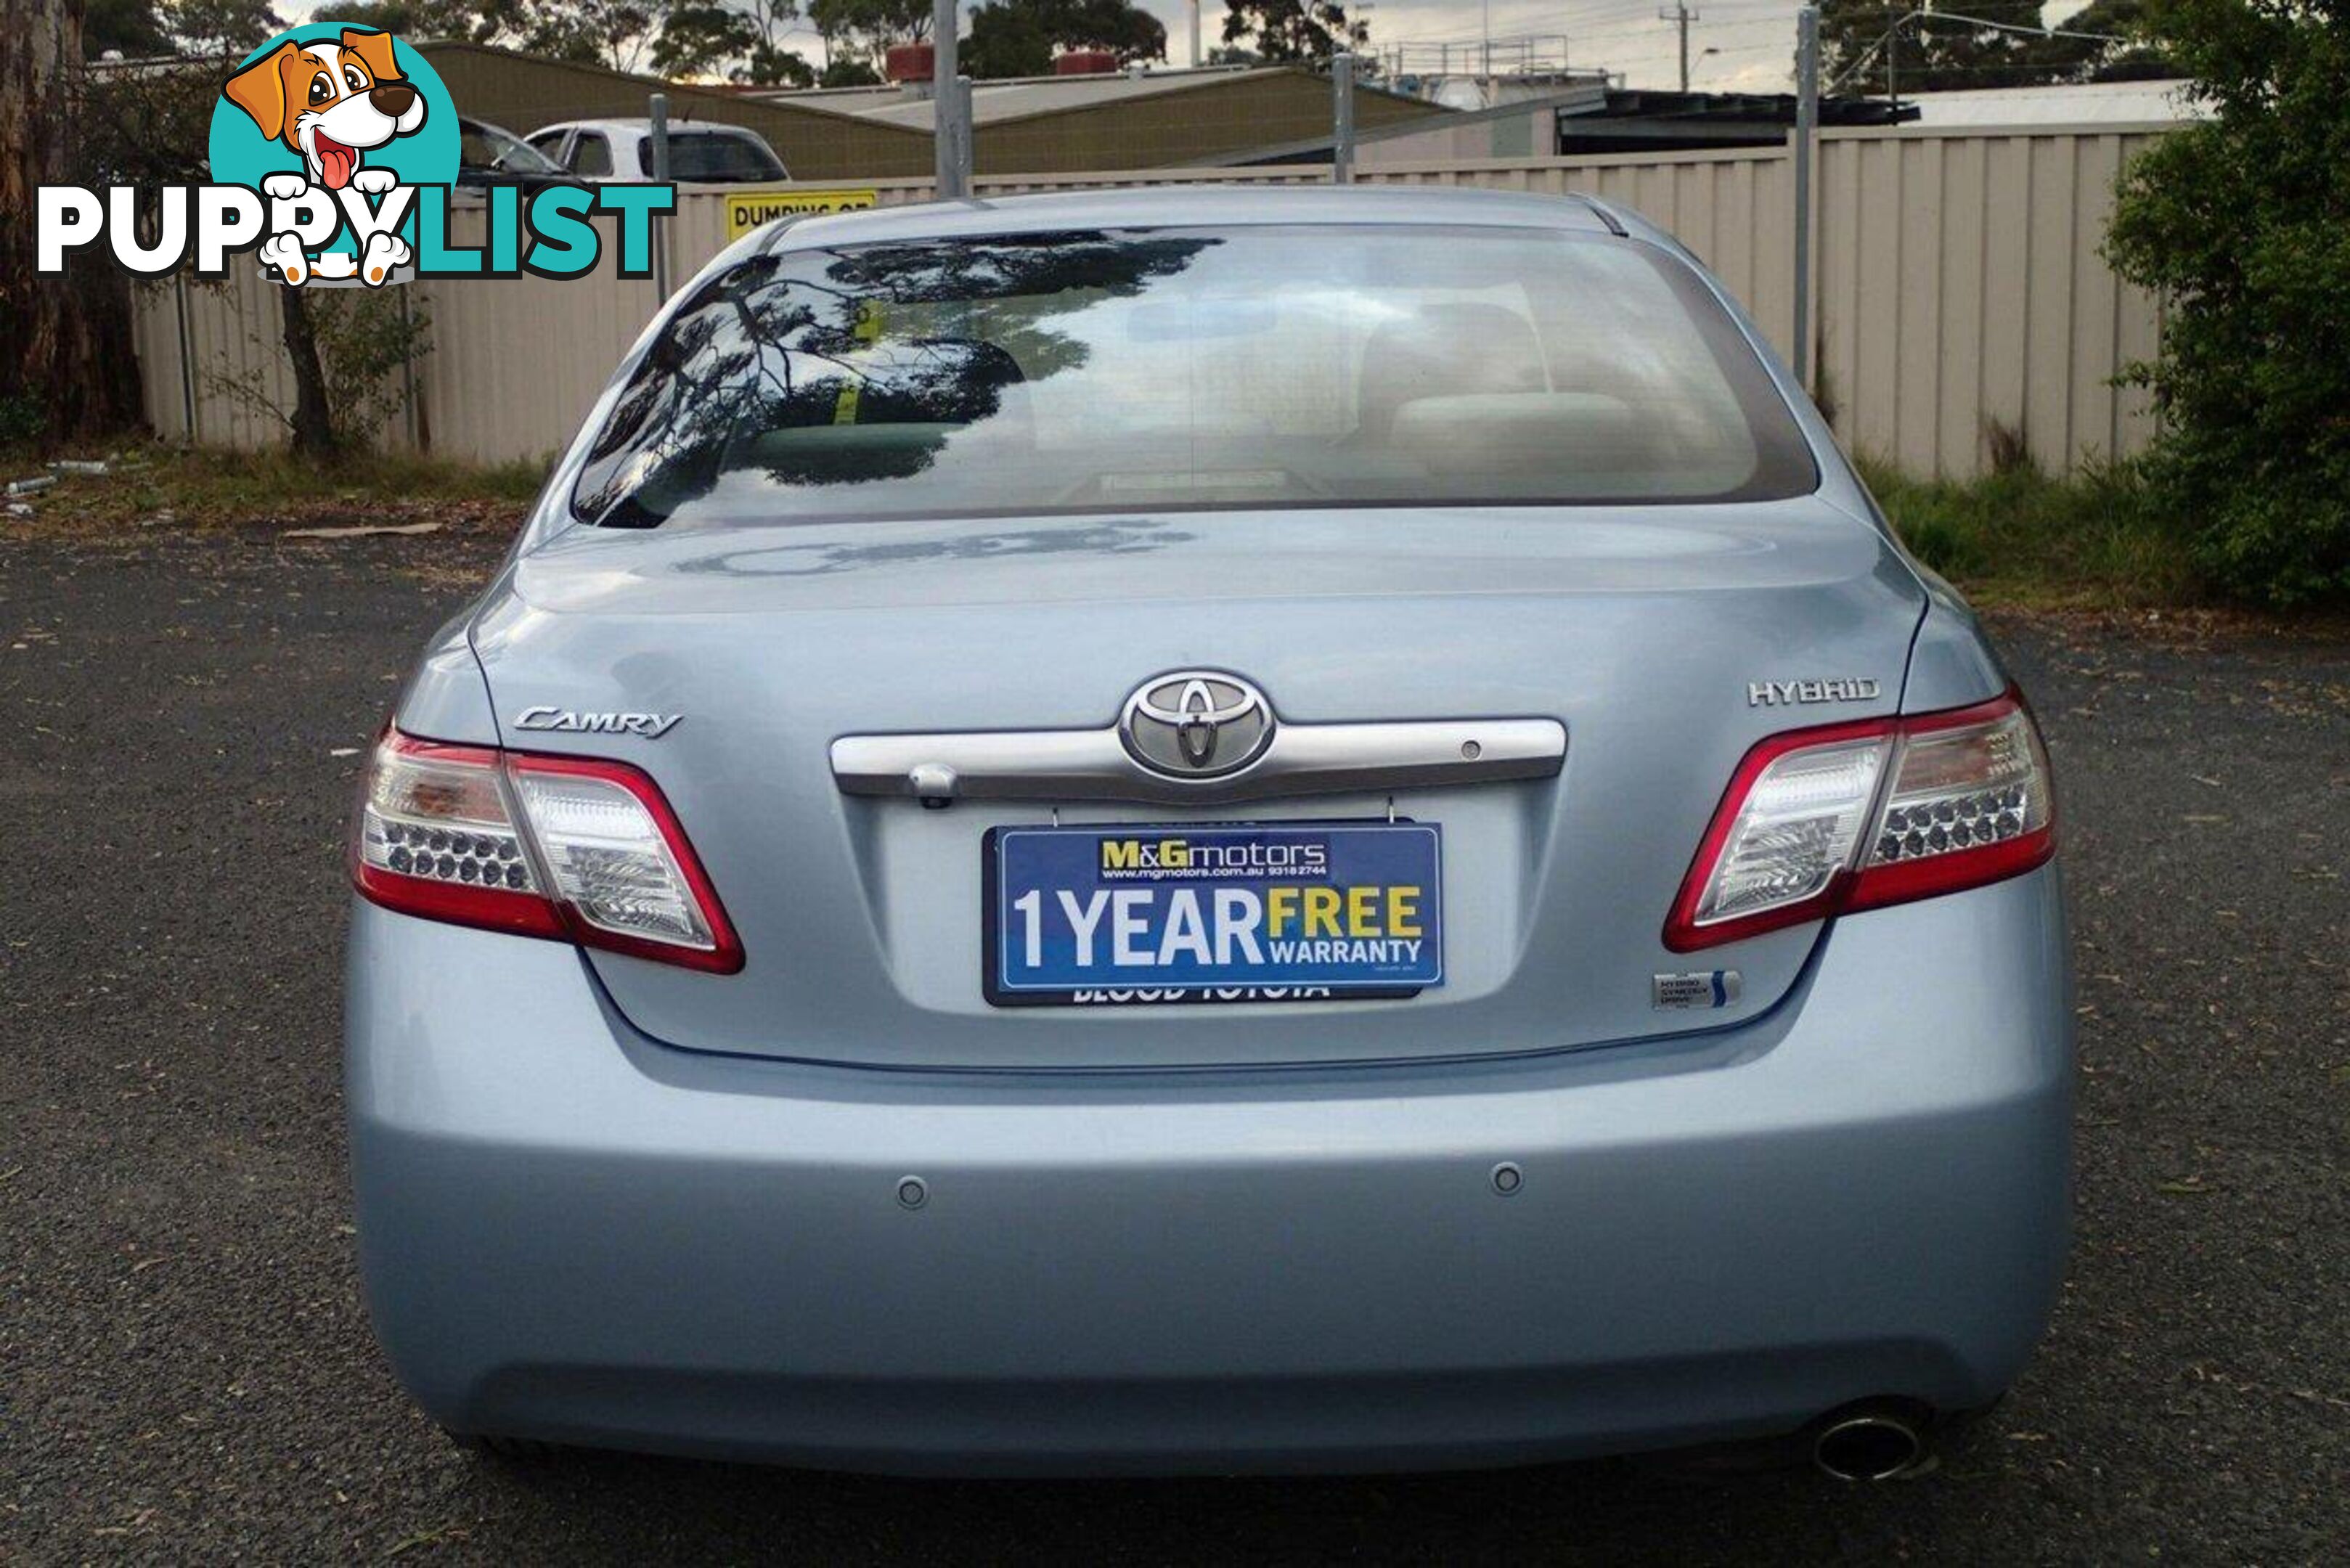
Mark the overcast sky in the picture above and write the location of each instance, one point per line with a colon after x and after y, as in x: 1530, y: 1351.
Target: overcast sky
x: 1755, y: 38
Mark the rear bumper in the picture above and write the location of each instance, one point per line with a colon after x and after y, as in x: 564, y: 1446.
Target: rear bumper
x: 572, y: 1232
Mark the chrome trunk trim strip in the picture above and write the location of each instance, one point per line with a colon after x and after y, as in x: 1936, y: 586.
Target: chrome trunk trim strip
x: 1094, y: 766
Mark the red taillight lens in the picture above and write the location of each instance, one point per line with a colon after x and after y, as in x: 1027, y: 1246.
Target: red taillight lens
x: 540, y: 846
x: 1970, y: 802
x: 437, y: 838
x: 1855, y: 816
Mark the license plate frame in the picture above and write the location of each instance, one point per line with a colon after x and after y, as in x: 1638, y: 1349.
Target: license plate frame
x: 1355, y: 848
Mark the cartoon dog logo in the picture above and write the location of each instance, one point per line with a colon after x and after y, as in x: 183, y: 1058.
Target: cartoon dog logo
x: 331, y: 102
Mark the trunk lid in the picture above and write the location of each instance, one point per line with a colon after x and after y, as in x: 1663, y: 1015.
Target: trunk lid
x: 1640, y: 629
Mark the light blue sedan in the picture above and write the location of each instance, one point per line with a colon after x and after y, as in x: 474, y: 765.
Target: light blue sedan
x: 1208, y: 829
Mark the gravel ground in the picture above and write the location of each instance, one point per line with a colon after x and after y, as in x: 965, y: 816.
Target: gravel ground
x: 185, y: 1370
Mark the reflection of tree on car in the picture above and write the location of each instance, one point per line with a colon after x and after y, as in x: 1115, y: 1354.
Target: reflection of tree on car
x: 801, y: 366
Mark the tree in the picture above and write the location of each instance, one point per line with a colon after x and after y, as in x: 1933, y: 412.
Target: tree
x: 849, y: 71
x: 1868, y: 46
x: 130, y: 28
x: 1278, y: 31
x: 209, y: 30
x: 2140, y: 57
x: 615, y: 33
x: 2238, y: 222
x: 612, y: 33
x: 67, y: 367
x: 864, y: 29
x: 769, y: 65
x: 1019, y: 37
x: 153, y: 128
x: 741, y: 40
x: 500, y: 22
x: 1007, y: 39
x: 698, y: 40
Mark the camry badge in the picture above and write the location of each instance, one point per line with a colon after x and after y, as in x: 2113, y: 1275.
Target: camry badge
x: 1196, y: 724
x: 651, y: 726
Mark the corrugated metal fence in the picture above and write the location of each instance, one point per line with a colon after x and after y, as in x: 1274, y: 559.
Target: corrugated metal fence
x: 1960, y: 287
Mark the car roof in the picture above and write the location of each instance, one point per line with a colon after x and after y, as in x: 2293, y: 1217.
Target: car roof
x: 1206, y: 205
x: 641, y: 127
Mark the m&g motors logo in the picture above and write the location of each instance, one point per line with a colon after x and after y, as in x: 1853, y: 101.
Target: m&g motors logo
x: 1179, y: 859
x: 333, y: 152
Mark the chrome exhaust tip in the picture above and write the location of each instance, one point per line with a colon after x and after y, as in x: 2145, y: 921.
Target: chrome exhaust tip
x: 1867, y: 1446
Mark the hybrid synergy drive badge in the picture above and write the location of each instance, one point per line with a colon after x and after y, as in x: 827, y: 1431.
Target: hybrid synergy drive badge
x: 1699, y: 987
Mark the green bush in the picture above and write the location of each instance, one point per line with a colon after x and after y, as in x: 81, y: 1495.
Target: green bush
x: 2021, y: 537
x: 2243, y: 223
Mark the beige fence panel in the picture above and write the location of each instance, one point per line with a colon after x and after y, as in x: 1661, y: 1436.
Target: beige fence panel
x: 236, y: 358
x: 516, y: 362
x: 156, y: 320
x: 1960, y: 288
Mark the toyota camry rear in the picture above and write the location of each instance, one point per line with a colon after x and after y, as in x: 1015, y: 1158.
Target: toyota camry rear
x: 1208, y: 829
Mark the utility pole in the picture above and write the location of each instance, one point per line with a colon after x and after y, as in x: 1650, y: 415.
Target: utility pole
x: 1893, y: 57
x: 1342, y: 138
x: 950, y: 107
x: 657, y: 104
x: 1197, y: 60
x: 1681, y: 15
x: 1807, y: 121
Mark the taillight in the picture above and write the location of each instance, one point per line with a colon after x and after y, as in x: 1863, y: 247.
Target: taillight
x: 1855, y: 816
x: 540, y: 846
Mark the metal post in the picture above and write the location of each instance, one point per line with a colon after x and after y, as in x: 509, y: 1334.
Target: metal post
x: 966, y: 134
x: 659, y: 110
x: 408, y: 363
x: 1197, y: 58
x: 1342, y: 141
x: 1807, y: 121
x: 1893, y: 61
x: 187, y: 357
x: 950, y: 107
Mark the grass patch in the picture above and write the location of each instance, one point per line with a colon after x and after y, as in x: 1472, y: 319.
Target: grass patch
x: 2023, y: 537
x: 155, y: 484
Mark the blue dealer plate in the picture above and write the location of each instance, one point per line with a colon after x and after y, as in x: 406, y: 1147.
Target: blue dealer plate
x: 1246, y: 912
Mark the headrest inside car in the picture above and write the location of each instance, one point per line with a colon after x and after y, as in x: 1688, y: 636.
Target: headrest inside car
x: 1516, y: 434
x: 1441, y: 351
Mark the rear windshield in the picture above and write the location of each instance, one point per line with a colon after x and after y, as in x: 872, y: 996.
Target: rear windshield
x: 1170, y: 368
x: 712, y: 155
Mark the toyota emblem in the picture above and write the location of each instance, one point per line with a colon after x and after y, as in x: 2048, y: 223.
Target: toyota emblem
x: 1196, y: 724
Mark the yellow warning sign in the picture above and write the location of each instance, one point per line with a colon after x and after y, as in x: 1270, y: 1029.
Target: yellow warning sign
x: 747, y: 210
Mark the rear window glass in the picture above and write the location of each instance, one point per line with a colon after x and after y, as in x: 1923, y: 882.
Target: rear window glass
x: 710, y: 155
x: 1180, y: 368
